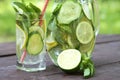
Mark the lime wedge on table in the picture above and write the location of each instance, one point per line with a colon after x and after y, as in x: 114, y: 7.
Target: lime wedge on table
x: 69, y: 12
x: 35, y: 43
x: 21, y: 37
x: 84, y: 32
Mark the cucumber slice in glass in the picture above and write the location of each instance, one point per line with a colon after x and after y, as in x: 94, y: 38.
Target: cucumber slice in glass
x: 35, y: 43
x: 68, y: 12
x: 69, y: 60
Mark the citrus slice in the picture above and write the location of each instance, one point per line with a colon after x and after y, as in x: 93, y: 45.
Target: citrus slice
x: 69, y: 12
x: 84, y: 32
x: 21, y: 37
x: 50, y: 41
x: 35, y: 43
x: 69, y: 60
x: 87, y: 48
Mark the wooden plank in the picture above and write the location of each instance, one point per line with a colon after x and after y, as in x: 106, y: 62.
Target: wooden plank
x: 104, y: 72
x: 107, y: 38
x: 106, y: 58
x: 8, y: 49
x: 106, y: 53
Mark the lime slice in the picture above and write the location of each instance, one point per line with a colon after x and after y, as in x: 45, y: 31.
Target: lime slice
x: 87, y: 48
x: 50, y: 41
x: 38, y: 29
x: 84, y: 32
x: 69, y: 12
x: 21, y: 37
x: 69, y: 60
x: 35, y: 43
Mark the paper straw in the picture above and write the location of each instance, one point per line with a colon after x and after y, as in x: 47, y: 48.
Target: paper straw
x: 43, y: 11
x: 23, y: 56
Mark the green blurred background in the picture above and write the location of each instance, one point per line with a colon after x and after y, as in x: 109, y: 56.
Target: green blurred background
x: 109, y: 19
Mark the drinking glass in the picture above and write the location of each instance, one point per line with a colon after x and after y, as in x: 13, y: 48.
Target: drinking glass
x: 30, y: 37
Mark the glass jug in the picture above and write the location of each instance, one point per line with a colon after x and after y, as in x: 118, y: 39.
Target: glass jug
x: 74, y: 24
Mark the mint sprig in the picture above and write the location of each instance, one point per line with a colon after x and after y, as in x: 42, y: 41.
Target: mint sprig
x: 27, y: 15
x: 87, y: 66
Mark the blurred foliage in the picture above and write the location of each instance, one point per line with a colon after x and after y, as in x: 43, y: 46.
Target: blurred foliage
x: 7, y: 21
x: 109, y: 18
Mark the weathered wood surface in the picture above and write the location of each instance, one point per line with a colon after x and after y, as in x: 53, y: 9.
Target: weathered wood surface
x: 106, y: 57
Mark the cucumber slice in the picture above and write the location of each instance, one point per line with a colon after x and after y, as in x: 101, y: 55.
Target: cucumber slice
x: 86, y: 10
x: 69, y: 12
x: 35, y: 43
x: 69, y: 60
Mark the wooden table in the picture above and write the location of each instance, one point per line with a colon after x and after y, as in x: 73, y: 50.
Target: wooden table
x: 106, y: 57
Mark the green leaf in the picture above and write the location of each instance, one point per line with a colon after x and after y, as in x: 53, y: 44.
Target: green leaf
x: 92, y: 68
x: 57, y: 9
x: 15, y: 9
x: 65, y: 28
x: 87, y: 73
x: 52, y: 25
x: 21, y: 6
x: 36, y: 9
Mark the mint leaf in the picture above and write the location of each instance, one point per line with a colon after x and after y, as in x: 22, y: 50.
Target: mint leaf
x: 87, y: 73
x: 92, y: 68
x: 21, y: 6
x: 36, y: 9
x: 57, y: 9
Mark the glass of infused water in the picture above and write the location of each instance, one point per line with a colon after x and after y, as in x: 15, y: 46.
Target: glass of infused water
x: 30, y: 37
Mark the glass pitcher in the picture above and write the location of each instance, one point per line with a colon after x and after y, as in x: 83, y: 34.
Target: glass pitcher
x: 74, y: 24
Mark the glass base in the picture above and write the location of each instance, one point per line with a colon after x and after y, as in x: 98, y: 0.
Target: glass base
x: 31, y: 67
